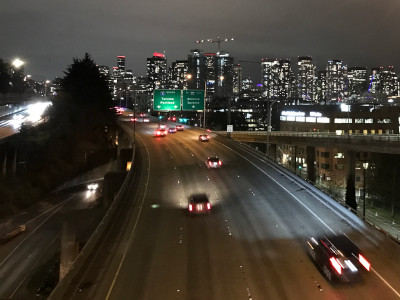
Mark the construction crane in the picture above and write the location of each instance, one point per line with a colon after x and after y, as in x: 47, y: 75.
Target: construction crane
x: 218, y: 40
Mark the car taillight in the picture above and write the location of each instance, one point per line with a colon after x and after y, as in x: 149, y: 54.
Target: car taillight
x: 208, y: 206
x: 220, y: 162
x: 364, y: 262
x: 336, y: 265
x: 190, y: 207
x: 210, y: 163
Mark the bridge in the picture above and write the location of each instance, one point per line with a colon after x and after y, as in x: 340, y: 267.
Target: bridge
x: 379, y: 143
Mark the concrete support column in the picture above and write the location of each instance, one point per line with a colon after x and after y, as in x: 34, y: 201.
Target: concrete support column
x: 310, y: 159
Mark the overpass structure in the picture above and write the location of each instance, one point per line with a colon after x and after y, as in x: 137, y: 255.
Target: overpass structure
x: 379, y: 143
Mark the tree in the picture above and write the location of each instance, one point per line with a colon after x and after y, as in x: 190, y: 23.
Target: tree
x: 384, y: 180
x: 5, y: 77
x: 351, y: 192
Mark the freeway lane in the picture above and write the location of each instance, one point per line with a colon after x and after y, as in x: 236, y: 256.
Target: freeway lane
x: 250, y: 247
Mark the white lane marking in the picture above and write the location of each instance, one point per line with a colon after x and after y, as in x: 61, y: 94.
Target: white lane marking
x: 318, y: 218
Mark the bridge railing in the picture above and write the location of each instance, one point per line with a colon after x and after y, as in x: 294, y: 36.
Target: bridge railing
x: 356, y: 136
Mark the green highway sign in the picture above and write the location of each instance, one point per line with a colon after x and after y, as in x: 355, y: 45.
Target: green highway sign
x: 193, y: 100
x: 167, y: 100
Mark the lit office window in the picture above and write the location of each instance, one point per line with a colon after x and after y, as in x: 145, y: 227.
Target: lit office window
x: 343, y: 120
x: 311, y: 119
x: 323, y: 120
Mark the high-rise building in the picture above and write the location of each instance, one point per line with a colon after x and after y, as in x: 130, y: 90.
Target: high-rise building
x: 177, y: 78
x: 277, y: 78
x: 121, y: 63
x: 223, y: 75
x: 357, y: 81
x: 336, y: 77
x: 237, y: 79
x: 157, y: 70
x: 388, y: 81
x: 197, y: 69
x: 374, y: 81
x: 320, y: 90
x: 305, y: 78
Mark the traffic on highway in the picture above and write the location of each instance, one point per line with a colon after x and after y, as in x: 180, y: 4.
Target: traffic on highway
x: 248, y: 229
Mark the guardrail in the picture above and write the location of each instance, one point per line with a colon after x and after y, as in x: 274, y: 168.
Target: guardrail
x: 60, y: 290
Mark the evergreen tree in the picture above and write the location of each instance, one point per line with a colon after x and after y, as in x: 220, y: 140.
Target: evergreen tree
x: 5, y: 78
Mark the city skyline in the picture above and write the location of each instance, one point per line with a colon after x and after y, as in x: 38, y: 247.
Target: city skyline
x: 47, y: 36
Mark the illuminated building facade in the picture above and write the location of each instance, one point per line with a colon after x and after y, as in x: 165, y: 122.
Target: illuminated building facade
x: 305, y: 78
x: 156, y: 71
x: 336, y: 77
x: 357, y: 81
x: 197, y: 69
x: 177, y: 75
x: 277, y: 79
x: 237, y: 79
x: 223, y: 75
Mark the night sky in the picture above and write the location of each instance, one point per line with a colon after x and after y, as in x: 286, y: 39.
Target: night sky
x: 48, y: 34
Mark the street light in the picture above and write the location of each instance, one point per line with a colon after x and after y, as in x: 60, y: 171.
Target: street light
x: 365, y: 167
x: 17, y: 63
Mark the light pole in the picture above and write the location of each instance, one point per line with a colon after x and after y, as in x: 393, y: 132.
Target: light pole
x: 270, y: 103
x: 365, y: 167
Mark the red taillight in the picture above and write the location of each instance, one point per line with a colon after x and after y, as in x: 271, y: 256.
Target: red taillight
x: 208, y: 206
x: 210, y: 163
x: 336, y: 265
x: 364, y: 262
x: 190, y: 207
x: 220, y: 162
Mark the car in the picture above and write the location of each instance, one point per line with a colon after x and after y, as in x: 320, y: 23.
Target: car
x: 338, y: 258
x: 142, y: 115
x: 199, y: 204
x: 160, y: 132
x: 171, y: 130
x: 162, y: 126
x: 204, y: 137
x: 213, y: 162
x: 180, y: 127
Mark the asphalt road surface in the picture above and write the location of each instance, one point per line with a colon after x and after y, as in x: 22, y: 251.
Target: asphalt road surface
x: 251, y: 245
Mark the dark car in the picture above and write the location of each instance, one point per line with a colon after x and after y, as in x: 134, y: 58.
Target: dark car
x: 337, y: 257
x: 213, y: 162
x: 171, y: 130
x: 180, y: 127
x: 204, y: 137
x: 199, y: 204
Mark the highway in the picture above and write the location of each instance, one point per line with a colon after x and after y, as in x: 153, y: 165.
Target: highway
x: 252, y: 244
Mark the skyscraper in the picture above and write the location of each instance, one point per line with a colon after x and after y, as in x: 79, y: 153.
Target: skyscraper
x: 305, y: 78
x: 177, y: 75
x: 223, y: 75
x: 197, y: 69
x: 157, y: 70
x: 121, y: 63
x: 357, y: 81
x: 336, y: 77
x: 277, y: 78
